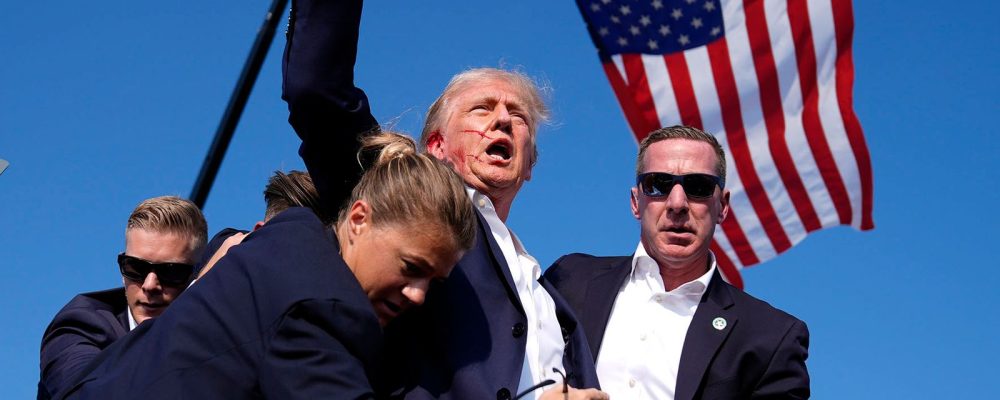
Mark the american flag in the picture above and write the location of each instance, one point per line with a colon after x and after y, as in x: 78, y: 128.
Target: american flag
x: 772, y: 79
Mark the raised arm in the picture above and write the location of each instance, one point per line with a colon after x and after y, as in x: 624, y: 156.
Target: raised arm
x: 326, y: 110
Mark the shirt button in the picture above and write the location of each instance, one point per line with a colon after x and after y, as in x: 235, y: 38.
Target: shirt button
x: 658, y: 298
x: 482, y: 202
x: 631, y: 383
x: 642, y: 337
x: 503, y: 394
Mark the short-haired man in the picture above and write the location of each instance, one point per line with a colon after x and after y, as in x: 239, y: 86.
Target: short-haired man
x: 163, y: 238
x: 283, y: 191
x: 493, y: 328
x: 662, y: 323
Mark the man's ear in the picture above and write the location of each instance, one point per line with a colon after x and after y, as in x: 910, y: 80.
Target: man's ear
x: 258, y: 225
x: 724, y: 210
x: 435, y: 144
x: 634, y: 199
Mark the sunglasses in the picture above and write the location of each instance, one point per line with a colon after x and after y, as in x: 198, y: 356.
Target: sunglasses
x: 659, y: 184
x: 170, y: 274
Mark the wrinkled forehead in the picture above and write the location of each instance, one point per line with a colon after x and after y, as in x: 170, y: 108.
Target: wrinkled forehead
x: 493, y: 90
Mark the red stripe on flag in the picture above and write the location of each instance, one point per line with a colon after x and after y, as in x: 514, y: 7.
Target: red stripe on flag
x: 640, y: 127
x: 726, y: 266
x: 774, y: 115
x: 805, y: 55
x: 843, y: 22
x: 638, y: 85
x: 680, y: 79
x: 738, y: 239
x: 732, y: 121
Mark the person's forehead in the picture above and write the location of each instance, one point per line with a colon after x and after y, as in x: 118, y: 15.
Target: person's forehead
x: 492, y: 89
x: 167, y: 245
x: 680, y: 155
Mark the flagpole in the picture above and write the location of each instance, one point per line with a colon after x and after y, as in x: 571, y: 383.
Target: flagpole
x: 237, y: 102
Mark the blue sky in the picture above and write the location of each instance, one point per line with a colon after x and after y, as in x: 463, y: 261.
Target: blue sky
x: 105, y: 104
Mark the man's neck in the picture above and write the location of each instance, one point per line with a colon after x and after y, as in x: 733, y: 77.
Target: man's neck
x: 676, y: 275
x: 502, y: 200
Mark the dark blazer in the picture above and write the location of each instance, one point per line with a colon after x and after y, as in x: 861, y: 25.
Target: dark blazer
x: 760, y: 354
x: 468, y: 340
x: 89, y: 323
x: 281, y: 317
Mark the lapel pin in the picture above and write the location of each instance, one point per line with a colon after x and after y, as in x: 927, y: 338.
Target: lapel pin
x: 719, y: 323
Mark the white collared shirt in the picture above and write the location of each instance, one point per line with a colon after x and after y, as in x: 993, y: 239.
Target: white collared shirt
x: 131, y: 319
x: 641, y: 350
x: 544, y: 348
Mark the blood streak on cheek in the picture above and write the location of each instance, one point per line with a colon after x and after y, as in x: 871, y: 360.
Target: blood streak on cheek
x: 480, y: 133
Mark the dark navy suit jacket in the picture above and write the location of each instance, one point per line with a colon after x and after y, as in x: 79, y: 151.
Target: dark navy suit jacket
x: 468, y: 340
x: 89, y: 323
x: 281, y: 316
x: 760, y: 354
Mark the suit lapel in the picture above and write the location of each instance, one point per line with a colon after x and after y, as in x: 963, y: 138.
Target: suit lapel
x: 704, y: 336
x: 503, y: 270
x: 122, y: 318
x: 602, y: 290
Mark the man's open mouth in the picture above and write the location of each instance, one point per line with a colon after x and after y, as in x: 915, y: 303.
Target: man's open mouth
x: 500, y: 149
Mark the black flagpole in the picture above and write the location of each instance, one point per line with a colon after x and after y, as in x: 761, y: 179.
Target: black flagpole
x: 237, y: 102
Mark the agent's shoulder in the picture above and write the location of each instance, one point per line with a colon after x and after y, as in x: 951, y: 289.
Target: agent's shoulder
x: 576, y: 266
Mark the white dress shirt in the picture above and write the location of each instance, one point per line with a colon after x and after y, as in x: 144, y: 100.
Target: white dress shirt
x: 131, y: 319
x: 642, y: 344
x: 544, y: 348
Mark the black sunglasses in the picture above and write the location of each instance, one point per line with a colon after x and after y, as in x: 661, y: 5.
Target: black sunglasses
x: 659, y: 184
x: 170, y: 274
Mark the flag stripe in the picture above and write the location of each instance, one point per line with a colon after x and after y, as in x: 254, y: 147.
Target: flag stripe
x: 680, y: 79
x: 805, y: 55
x: 843, y: 22
x: 774, y: 117
x: 632, y: 114
x: 662, y: 90
x: 737, y: 237
x: 732, y: 120
x: 783, y: 50
x: 726, y: 266
x: 824, y: 39
x: 637, y: 83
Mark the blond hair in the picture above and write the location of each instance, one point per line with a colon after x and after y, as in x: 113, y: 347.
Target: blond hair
x: 171, y: 214
x: 403, y: 186
x: 683, y: 132
x: 439, y: 111
x: 294, y: 189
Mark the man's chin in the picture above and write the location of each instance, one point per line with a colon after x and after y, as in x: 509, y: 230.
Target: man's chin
x: 675, y: 253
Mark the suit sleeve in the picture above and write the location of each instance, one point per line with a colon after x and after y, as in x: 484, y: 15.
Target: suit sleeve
x: 328, y: 113
x: 75, y: 337
x: 786, y: 376
x: 319, y: 351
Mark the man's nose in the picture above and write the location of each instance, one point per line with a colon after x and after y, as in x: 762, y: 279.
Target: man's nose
x: 151, y: 283
x: 501, y: 119
x: 677, y: 201
x: 416, y: 291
